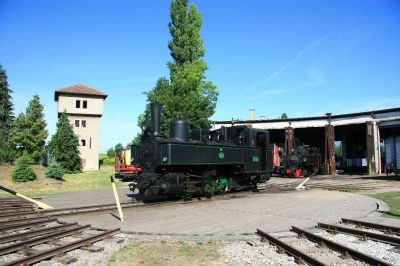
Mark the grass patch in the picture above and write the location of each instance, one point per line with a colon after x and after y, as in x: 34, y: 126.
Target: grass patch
x: 168, y: 253
x: 393, y: 200
x: 47, y: 186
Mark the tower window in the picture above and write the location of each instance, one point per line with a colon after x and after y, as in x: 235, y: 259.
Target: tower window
x: 76, y: 123
x: 78, y: 104
x: 84, y: 104
x: 83, y: 142
x: 83, y: 123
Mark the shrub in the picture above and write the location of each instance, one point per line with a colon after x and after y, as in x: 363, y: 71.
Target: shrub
x: 55, y: 171
x: 110, y: 152
x: 109, y: 161
x: 23, y: 171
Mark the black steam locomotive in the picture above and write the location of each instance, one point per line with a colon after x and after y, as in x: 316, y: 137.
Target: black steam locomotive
x: 211, y: 161
x: 303, y: 160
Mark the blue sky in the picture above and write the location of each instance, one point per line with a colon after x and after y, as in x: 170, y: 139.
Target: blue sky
x: 304, y: 58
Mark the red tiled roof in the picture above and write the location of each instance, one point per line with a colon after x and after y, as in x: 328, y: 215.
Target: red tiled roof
x: 78, y: 89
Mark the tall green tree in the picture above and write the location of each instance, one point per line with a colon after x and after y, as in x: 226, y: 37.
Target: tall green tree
x: 6, y: 107
x: 187, y: 95
x: 63, y: 146
x: 29, y: 132
x: 20, y: 133
x: 6, y: 119
x: 161, y: 93
x: 194, y: 98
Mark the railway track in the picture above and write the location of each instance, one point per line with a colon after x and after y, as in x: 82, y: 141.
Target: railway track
x: 12, y: 209
x: 24, y: 233
x: 16, y: 209
x: 337, y: 184
x: 330, y: 244
x: 29, y: 211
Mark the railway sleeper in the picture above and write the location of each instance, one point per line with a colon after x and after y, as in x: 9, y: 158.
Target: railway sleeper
x: 92, y: 248
x: 28, y: 251
x: 65, y: 259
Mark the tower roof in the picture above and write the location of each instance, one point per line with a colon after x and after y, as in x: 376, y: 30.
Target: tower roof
x: 79, y: 89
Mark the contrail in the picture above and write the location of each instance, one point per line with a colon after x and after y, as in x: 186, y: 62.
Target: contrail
x: 309, y: 47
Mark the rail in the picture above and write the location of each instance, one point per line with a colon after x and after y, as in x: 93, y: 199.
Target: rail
x: 341, y: 248
x: 392, y: 240
x: 387, y: 228
x: 299, y: 255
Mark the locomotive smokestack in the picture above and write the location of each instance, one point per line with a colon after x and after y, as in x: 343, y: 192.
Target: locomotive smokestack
x: 156, y: 118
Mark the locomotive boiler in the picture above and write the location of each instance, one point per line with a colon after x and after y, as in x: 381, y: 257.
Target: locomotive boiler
x: 209, y: 161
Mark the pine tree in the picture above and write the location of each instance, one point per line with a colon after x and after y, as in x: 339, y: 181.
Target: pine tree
x: 7, y: 153
x: 23, y: 171
x: 188, y: 95
x: 63, y: 146
x: 30, y: 132
x: 6, y: 107
x: 19, y: 133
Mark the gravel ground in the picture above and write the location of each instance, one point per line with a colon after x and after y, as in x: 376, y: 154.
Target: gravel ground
x: 8, y: 258
x: 235, y: 253
x: 373, y: 248
x: 8, y: 243
x: 241, y: 253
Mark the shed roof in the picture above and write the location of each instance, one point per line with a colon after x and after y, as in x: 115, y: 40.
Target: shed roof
x: 79, y: 89
x: 311, y: 118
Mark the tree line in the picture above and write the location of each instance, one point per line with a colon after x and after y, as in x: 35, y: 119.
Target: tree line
x: 26, y: 133
x: 25, y: 137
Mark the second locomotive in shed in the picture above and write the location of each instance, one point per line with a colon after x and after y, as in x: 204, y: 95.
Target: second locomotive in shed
x: 210, y: 161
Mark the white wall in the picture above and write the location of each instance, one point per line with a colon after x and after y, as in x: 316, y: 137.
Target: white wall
x: 91, y: 133
x: 68, y: 103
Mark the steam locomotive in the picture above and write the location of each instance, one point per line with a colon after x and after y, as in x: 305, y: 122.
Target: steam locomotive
x: 211, y: 161
x: 303, y: 160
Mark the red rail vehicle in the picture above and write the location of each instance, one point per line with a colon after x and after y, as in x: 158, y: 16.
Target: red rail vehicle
x: 123, y: 167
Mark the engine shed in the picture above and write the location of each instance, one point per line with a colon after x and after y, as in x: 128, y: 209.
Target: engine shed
x: 363, y: 142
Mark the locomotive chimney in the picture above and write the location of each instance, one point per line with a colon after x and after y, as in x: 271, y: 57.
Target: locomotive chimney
x: 156, y: 118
